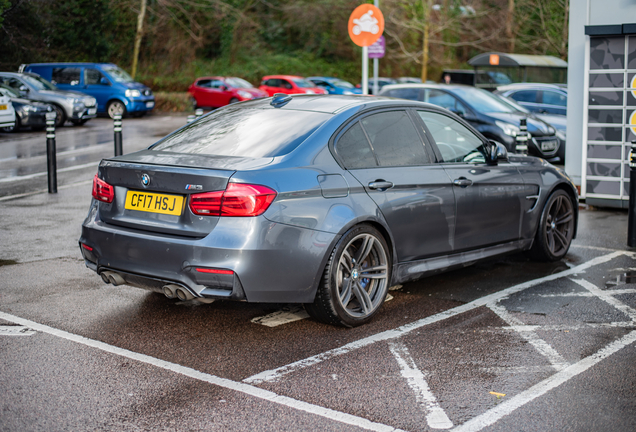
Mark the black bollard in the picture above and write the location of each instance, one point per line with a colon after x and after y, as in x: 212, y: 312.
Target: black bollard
x: 631, y: 218
x: 191, y: 118
x: 198, y: 113
x: 51, y: 158
x: 522, y: 137
x: 117, y: 129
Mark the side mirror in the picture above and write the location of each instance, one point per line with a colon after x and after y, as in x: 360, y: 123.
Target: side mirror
x: 223, y: 88
x: 497, y: 152
x: 104, y: 81
x: 24, y: 89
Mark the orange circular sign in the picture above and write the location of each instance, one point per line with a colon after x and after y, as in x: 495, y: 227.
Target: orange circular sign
x: 366, y: 25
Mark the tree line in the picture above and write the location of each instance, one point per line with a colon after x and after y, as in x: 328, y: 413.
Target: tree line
x: 179, y: 39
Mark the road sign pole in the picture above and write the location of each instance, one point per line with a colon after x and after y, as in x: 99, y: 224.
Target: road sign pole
x: 376, y: 62
x: 365, y: 70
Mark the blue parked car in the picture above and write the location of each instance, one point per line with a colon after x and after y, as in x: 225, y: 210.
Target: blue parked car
x: 115, y: 90
x: 335, y: 85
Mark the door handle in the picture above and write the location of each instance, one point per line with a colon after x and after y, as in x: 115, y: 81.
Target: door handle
x: 380, y: 184
x: 462, y: 182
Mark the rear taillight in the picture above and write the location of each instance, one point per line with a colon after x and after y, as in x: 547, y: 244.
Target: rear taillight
x: 102, y: 191
x: 238, y: 199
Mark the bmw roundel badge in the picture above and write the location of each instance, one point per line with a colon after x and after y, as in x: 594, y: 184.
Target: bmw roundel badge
x: 145, y: 179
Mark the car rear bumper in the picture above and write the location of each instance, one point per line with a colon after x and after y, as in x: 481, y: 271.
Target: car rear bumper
x: 271, y: 262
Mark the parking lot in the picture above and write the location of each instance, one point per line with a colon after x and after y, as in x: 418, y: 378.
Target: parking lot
x: 508, y: 344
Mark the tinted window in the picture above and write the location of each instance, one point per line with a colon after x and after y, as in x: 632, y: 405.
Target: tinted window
x: 406, y: 93
x: 481, y: 100
x: 554, y: 98
x: 216, y: 84
x: 525, y: 96
x: 394, y: 139
x: 443, y: 99
x: 353, y: 147
x: 455, y: 142
x: 204, y: 83
x: 66, y: 75
x: 245, y: 132
x: 92, y: 76
x: 273, y: 82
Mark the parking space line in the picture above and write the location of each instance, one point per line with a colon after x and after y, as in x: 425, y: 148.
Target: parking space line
x: 508, y: 406
x: 275, y: 374
x: 557, y: 361
x: 211, y: 379
x: 435, y: 415
x: 15, y: 330
x: 607, y: 297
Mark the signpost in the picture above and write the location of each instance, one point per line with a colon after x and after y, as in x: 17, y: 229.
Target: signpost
x: 366, y: 25
x: 376, y: 51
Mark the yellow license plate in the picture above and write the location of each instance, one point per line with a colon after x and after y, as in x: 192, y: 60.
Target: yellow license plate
x: 154, y: 203
x: 3, y: 107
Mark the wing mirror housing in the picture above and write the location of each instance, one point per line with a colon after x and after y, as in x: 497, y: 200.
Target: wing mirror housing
x: 24, y: 89
x: 104, y: 81
x: 497, y: 152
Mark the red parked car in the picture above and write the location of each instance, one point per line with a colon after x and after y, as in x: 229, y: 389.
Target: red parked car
x: 216, y: 92
x: 289, y: 84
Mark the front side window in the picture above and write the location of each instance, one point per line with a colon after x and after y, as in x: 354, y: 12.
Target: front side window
x: 455, y: 142
x: 525, y: 96
x: 92, y: 76
x: 66, y: 75
x: 554, y: 98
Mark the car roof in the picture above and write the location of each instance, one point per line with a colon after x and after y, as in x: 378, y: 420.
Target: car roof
x: 71, y: 64
x: 333, y: 104
x: 389, y: 87
x: 530, y: 86
x: 289, y: 77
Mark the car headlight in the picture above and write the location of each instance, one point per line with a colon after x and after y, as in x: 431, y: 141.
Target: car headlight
x: 507, y: 128
x: 78, y: 101
x: 309, y: 92
x: 89, y: 101
x: 133, y: 93
x: 244, y: 94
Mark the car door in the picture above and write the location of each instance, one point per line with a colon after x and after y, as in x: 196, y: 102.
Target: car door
x: 271, y: 86
x: 490, y: 199
x: 67, y: 77
x: 385, y: 152
x: 98, y: 86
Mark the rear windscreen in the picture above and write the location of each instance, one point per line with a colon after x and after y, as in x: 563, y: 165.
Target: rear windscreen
x: 236, y: 131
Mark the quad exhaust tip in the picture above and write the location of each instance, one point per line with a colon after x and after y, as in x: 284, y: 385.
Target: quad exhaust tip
x: 171, y: 291
x: 110, y: 277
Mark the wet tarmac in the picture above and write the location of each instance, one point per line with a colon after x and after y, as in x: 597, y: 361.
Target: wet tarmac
x: 507, y: 344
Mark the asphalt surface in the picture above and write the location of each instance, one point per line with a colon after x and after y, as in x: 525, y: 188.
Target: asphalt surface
x: 508, y: 344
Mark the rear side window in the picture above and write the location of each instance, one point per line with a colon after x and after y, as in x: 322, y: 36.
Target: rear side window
x: 245, y: 132
x: 66, y: 75
x: 406, y: 93
x: 525, y: 96
x: 385, y: 139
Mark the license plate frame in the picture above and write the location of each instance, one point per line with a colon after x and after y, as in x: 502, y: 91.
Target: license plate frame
x: 92, y: 111
x: 157, y: 203
x: 4, y: 107
x: 150, y: 104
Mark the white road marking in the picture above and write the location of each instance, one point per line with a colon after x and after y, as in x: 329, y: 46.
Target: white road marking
x: 559, y: 327
x: 212, y: 379
x: 295, y: 313
x: 517, y: 369
x: 30, y: 176
x: 435, y: 415
x: 540, y: 345
x: 510, y: 405
x: 11, y: 330
x: 606, y: 297
x: 274, y: 374
x: 589, y: 294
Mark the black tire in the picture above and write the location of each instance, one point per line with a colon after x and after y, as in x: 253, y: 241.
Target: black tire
x: 193, y: 103
x: 115, y: 107
x: 234, y: 100
x: 60, y: 117
x: 556, y: 228
x: 345, y: 297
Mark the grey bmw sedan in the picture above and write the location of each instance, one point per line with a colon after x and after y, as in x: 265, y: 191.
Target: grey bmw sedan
x: 321, y: 200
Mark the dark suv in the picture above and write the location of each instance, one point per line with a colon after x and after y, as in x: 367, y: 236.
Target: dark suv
x: 487, y: 113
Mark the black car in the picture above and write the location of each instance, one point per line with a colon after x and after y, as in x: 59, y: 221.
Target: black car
x: 27, y: 113
x: 487, y: 113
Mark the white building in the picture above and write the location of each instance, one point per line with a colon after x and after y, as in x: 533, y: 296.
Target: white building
x: 601, y: 98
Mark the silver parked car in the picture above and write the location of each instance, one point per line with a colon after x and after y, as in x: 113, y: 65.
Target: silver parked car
x: 321, y: 200
x: 68, y: 105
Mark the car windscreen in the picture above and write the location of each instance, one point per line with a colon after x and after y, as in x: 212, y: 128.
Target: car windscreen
x: 514, y: 105
x: 8, y: 91
x: 238, y: 83
x: 343, y: 84
x: 482, y: 101
x: 245, y: 132
x: 303, y: 83
x: 119, y: 75
x: 38, y: 83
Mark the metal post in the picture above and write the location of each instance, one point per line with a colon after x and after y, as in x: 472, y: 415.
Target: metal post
x: 631, y: 215
x: 51, y: 158
x: 198, y: 112
x: 522, y: 137
x: 191, y: 118
x: 118, y: 139
x: 376, y: 62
